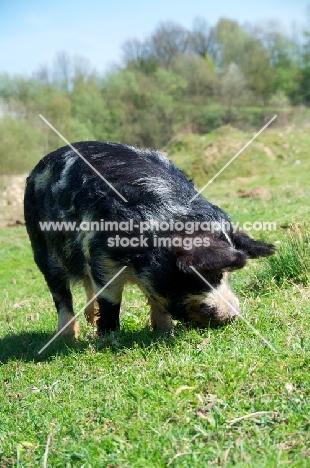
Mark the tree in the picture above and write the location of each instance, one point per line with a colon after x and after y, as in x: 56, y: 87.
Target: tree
x: 304, y: 72
x: 62, y: 71
x: 134, y: 50
x: 203, y: 39
x: 168, y: 41
x: 199, y: 75
x: 43, y: 74
x: 232, y: 89
x: 283, y: 53
x: 258, y: 72
x: 137, y: 55
x: 81, y: 69
x: 231, y: 39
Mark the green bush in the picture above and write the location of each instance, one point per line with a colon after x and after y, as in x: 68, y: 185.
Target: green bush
x: 22, y: 146
x: 208, y: 118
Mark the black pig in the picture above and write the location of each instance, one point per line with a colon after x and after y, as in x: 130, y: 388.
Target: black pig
x: 146, y: 238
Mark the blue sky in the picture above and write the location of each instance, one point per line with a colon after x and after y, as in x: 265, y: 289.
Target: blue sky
x: 33, y: 31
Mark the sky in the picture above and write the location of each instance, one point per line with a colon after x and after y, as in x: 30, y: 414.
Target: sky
x: 33, y: 31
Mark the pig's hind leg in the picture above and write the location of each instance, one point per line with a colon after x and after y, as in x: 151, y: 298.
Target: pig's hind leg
x: 62, y: 296
x: 58, y: 282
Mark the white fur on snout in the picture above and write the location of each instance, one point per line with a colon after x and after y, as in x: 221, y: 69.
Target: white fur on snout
x: 223, y: 300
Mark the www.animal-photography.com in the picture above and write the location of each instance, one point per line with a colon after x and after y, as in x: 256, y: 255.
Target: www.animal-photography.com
x: 154, y: 225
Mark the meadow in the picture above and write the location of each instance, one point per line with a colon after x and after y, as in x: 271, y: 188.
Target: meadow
x: 192, y: 398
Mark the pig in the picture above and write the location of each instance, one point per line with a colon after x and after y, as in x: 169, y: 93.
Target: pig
x: 117, y: 206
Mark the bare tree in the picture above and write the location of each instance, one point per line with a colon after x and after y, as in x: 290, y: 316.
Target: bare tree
x: 203, y: 38
x: 81, y: 68
x: 134, y: 50
x: 281, y: 49
x: 168, y: 41
x: 43, y: 74
x: 63, y: 70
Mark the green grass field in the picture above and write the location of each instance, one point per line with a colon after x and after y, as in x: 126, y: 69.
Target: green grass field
x: 194, y: 398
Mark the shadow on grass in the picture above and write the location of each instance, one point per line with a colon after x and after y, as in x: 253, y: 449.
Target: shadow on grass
x: 26, y: 346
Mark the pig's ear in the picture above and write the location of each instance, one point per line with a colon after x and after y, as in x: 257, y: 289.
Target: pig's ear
x: 251, y: 247
x: 218, y: 256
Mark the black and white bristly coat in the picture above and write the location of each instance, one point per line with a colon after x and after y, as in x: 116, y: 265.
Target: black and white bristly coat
x: 62, y: 187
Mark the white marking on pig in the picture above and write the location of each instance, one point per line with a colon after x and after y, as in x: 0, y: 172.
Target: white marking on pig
x: 71, y: 158
x: 227, y: 237
x: 159, y: 187
x: 66, y: 324
x: 41, y: 181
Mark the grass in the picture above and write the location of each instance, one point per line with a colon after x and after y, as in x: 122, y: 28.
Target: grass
x: 139, y: 398
x: 275, y: 166
x: 291, y: 262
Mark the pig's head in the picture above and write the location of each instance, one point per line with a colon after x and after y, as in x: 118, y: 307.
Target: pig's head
x: 212, y: 302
